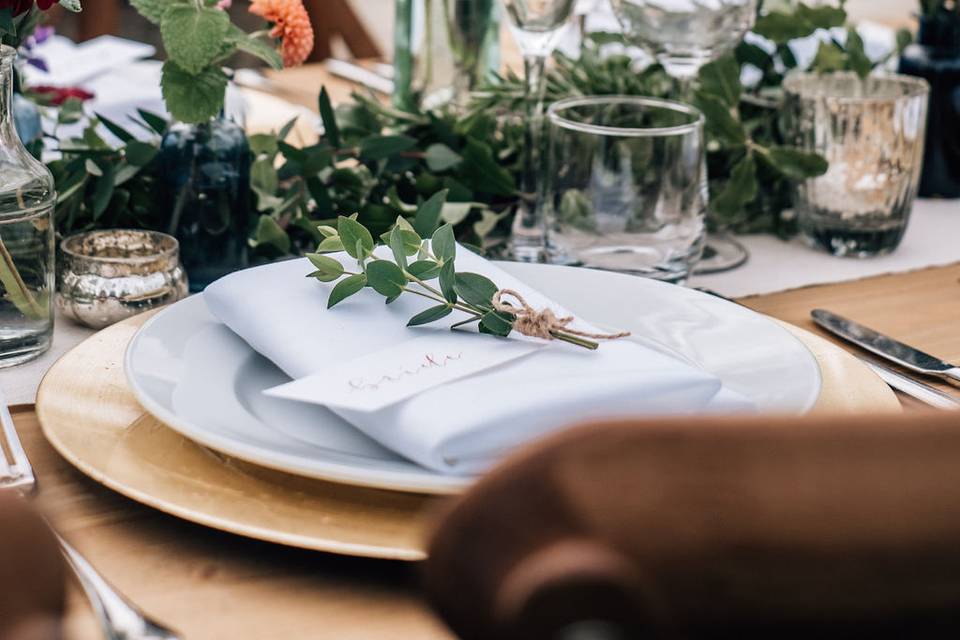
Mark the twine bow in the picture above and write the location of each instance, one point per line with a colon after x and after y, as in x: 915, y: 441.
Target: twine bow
x: 543, y: 323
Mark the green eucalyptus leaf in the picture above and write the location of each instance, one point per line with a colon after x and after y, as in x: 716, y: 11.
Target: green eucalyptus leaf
x: 440, y: 157
x: 424, y: 269
x: 332, y: 244
x: 352, y: 234
x: 265, y: 51
x: 193, y: 36
x: 782, y: 27
x: 122, y: 134
x: 140, y: 154
x: 430, y: 315
x: 448, y: 282
x: 428, y: 215
x: 443, y: 243
x: 829, y: 58
x: 346, y: 288
x: 496, y: 323
x: 327, y: 231
x: 475, y: 289
x: 386, y: 278
x: 269, y: 233
x: 329, y: 268
x: 398, y: 247
x: 103, y: 191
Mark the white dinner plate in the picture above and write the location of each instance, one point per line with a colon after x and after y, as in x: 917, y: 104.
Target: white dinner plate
x: 197, y: 376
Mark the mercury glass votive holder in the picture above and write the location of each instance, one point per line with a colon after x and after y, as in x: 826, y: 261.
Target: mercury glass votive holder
x: 871, y: 131
x: 109, y: 275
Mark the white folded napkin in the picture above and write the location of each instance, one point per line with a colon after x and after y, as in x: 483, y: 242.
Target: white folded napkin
x: 465, y: 425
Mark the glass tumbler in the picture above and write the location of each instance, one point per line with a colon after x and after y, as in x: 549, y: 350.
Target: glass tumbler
x: 626, y: 185
x: 871, y: 131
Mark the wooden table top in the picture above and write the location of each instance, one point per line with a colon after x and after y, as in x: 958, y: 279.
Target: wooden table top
x: 209, y: 584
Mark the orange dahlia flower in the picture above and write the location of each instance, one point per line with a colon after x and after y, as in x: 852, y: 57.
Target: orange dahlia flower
x: 291, y: 25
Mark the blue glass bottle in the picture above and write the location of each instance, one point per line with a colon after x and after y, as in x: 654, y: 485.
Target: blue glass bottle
x: 204, y: 170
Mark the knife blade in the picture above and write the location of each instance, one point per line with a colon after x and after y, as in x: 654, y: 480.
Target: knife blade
x: 885, y: 346
x: 914, y: 388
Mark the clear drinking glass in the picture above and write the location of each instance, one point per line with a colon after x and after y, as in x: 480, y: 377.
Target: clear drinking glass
x: 626, y: 185
x: 684, y: 35
x: 536, y: 24
x: 872, y: 133
x: 27, y: 198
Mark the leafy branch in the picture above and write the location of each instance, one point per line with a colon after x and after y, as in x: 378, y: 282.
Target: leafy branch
x: 416, y: 264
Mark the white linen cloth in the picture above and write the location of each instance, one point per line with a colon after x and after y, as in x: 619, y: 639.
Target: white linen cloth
x: 461, y: 426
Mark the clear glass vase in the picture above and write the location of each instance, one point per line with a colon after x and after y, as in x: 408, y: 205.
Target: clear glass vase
x: 27, y: 199
x: 443, y: 50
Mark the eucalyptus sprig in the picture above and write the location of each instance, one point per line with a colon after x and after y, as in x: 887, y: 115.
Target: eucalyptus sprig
x: 416, y: 264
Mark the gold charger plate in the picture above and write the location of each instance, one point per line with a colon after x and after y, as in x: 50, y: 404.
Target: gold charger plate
x: 90, y: 417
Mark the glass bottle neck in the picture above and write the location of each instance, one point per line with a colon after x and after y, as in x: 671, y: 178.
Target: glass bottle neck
x: 8, y: 133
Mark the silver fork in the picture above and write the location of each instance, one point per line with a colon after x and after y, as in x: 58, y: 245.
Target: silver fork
x: 120, y: 619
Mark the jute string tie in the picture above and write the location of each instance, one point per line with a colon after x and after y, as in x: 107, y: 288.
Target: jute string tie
x: 542, y: 324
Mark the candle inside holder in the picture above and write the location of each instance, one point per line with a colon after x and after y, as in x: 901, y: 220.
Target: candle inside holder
x: 106, y: 276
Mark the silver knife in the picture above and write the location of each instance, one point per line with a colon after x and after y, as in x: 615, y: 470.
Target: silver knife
x: 885, y: 346
x: 913, y: 388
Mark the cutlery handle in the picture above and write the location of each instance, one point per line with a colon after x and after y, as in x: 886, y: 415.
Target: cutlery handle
x: 953, y: 375
x: 120, y: 619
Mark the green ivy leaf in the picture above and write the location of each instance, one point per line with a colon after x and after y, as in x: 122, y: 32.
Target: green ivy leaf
x: 352, y: 234
x: 346, y: 288
x: 475, y: 289
x: 428, y: 215
x: 440, y: 157
x: 193, y: 36
x: 430, y: 315
x: 856, y: 56
x: 829, y: 58
x: 448, y: 282
x: 386, y: 278
x: 822, y: 16
x: 739, y: 190
x: 383, y: 147
x: 720, y: 121
x: 721, y: 78
x: 782, y: 27
x: 796, y: 164
x: 327, y: 269
x: 193, y: 98
x: 443, y: 244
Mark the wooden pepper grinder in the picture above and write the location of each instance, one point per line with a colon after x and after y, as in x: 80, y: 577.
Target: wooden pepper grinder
x: 711, y: 528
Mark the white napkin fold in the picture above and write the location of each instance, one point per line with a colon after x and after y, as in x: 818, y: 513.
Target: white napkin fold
x: 461, y: 426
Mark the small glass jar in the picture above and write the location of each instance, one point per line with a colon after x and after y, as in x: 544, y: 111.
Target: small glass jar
x: 871, y: 131
x: 107, y: 276
x: 27, y: 199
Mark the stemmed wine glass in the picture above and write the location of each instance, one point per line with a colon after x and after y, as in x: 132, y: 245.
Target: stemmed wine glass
x: 684, y: 35
x: 537, y: 24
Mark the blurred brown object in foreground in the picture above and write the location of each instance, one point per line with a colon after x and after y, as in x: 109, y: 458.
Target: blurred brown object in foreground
x: 31, y: 574
x: 711, y: 528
